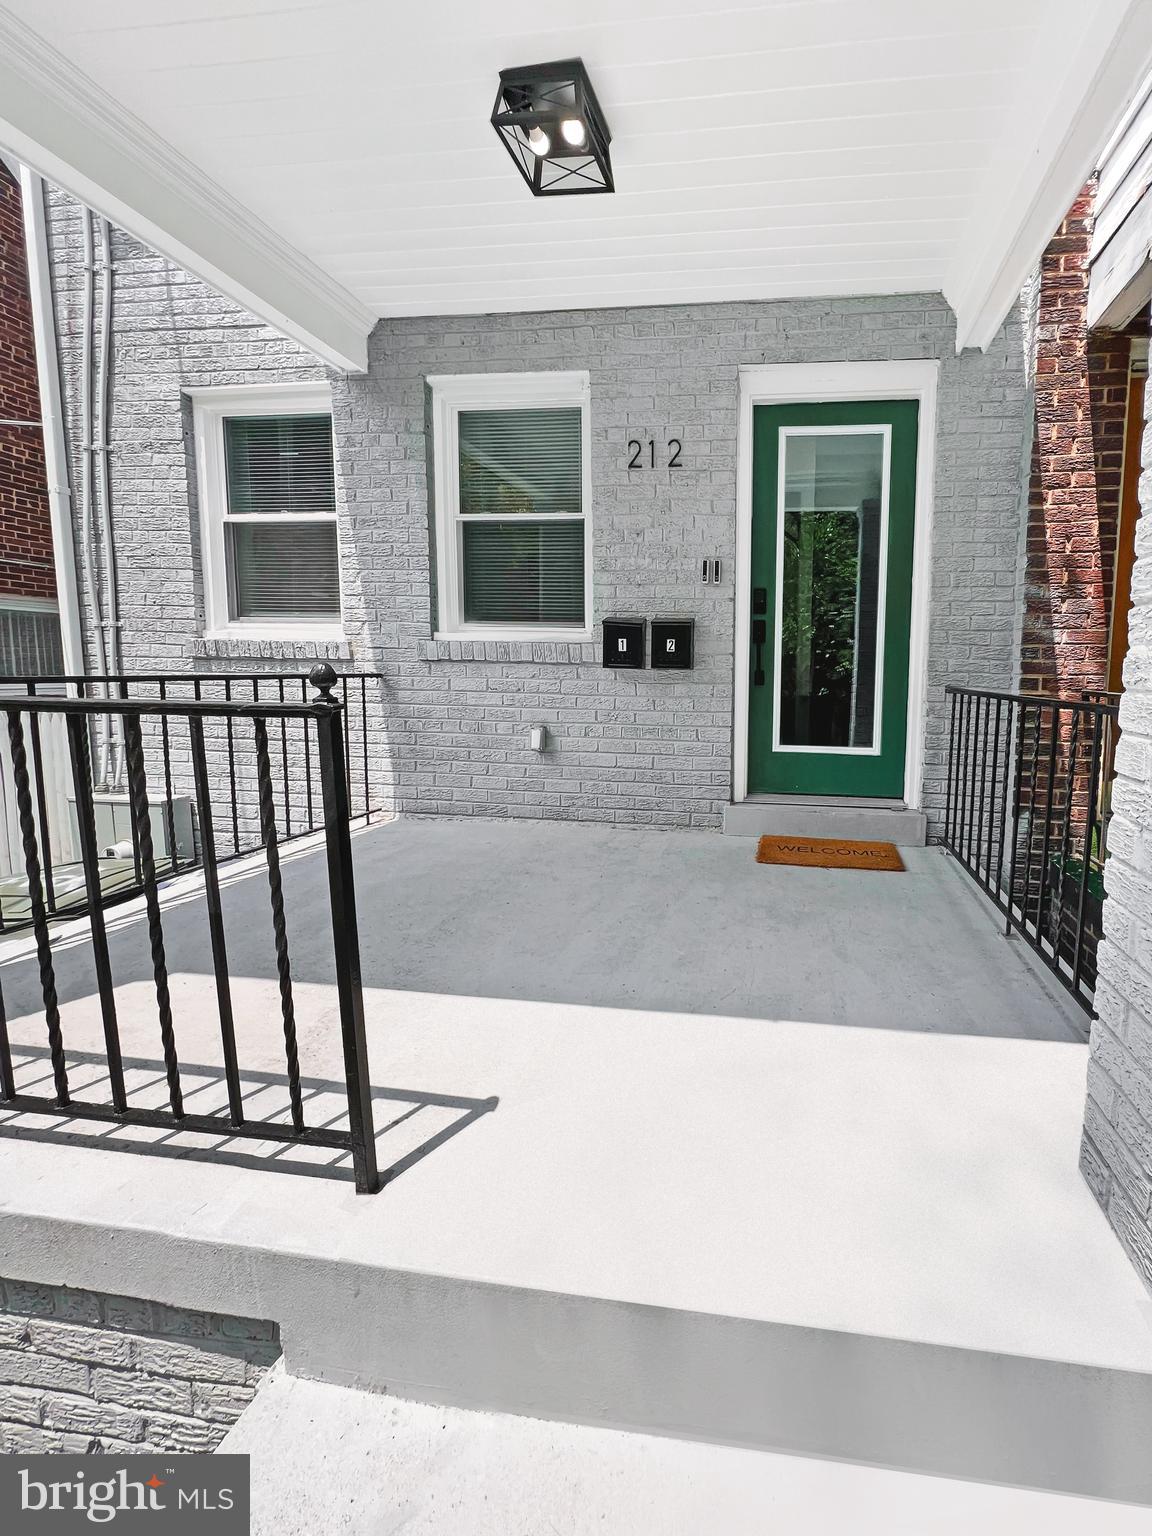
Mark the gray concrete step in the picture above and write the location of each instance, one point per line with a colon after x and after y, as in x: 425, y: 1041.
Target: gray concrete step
x: 869, y: 821
x: 678, y: 1142
x: 328, y: 1459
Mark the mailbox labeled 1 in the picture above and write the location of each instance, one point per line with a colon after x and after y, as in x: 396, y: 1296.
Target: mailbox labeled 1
x: 624, y: 642
x: 672, y: 644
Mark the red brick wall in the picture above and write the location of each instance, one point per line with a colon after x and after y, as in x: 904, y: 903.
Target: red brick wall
x: 1077, y: 457
x: 25, y: 531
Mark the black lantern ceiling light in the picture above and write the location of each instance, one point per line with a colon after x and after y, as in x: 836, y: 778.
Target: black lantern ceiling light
x: 551, y: 124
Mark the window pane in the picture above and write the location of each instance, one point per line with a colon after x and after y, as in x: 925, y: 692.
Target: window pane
x: 279, y: 464
x: 524, y: 573
x: 30, y: 643
x: 829, y: 623
x: 283, y: 570
x: 520, y: 462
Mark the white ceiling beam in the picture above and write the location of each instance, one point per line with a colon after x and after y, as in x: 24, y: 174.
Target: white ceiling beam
x: 1077, y: 95
x: 61, y: 124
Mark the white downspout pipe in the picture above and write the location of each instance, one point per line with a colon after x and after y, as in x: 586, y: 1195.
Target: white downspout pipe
x: 52, y: 420
x: 88, y: 489
x: 110, y: 619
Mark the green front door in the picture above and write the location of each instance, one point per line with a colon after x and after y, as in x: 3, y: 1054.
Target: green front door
x: 833, y: 515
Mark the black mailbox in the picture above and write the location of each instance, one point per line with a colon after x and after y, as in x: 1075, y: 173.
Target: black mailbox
x: 672, y: 643
x: 624, y: 642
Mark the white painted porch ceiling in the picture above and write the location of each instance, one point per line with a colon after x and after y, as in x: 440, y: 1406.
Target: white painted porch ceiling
x: 760, y: 150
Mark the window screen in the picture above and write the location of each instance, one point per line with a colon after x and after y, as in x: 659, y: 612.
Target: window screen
x: 30, y: 644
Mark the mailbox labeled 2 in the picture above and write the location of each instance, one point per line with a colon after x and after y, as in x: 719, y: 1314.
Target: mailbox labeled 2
x: 672, y: 643
x: 624, y: 642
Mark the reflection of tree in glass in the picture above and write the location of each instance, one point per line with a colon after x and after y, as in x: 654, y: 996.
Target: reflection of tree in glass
x: 818, y: 639
x: 489, y: 489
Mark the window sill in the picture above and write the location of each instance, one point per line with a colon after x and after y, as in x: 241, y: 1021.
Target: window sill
x: 519, y: 636
x: 273, y: 645
x: 571, y: 650
x: 287, y: 632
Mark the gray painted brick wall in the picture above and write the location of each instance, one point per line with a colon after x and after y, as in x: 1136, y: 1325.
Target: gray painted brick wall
x: 632, y: 748
x: 1116, y: 1154
x: 81, y: 1371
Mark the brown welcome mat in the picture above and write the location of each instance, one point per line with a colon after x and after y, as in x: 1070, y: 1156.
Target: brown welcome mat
x: 828, y: 853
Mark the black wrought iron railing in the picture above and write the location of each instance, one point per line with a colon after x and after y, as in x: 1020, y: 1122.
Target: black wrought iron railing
x: 207, y: 731
x: 231, y: 762
x: 1028, y: 793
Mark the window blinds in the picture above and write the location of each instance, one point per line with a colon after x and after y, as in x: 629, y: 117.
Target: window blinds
x: 279, y: 465
x: 524, y: 573
x: 280, y: 524
x: 517, y: 468
x: 523, y: 462
x: 283, y: 570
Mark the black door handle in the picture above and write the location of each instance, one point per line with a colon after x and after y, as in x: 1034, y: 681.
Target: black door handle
x: 759, y: 636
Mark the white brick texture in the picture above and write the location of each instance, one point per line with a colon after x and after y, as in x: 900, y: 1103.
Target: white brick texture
x: 1116, y: 1155
x: 81, y: 1371
x: 644, y: 747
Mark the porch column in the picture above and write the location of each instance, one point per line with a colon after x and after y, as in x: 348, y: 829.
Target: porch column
x: 1116, y: 1151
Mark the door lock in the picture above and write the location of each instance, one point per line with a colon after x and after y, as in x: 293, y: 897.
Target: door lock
x: 759, y: 636
x: 759, y: 632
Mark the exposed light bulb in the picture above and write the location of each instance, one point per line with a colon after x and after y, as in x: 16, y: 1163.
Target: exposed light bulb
x: 539, y: 142
x: 574, y: 131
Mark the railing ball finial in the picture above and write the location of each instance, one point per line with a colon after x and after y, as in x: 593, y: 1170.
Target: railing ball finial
x: 323, y: 678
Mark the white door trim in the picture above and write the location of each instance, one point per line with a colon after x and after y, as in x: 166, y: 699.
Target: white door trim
x: 800, y: 384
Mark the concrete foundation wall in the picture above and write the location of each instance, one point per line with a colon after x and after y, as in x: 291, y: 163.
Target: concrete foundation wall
x: 1117, y: 1149
x: 633, y: 748
x: 80, y: 1371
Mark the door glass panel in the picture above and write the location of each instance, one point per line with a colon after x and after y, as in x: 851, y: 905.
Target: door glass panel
x: 830, y: 599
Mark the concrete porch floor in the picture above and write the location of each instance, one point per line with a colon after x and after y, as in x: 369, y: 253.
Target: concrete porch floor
x: 770, y: 1157
x: 691, y: 923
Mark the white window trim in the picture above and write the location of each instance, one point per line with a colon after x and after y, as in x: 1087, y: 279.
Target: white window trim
x: 800, y: 383
x: 456, y: 392
x: 209, y: 408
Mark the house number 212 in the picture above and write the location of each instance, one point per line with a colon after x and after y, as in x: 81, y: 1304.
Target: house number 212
x: 639, y: 460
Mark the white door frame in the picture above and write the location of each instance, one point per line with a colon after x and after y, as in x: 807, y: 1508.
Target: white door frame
x: 820, y: 383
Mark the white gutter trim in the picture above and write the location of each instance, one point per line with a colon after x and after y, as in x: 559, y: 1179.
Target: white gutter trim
x: 1048, y: 153
x: 56, y: 119
x: 52, y: 418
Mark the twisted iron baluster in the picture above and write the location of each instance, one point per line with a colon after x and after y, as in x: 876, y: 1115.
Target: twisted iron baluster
x: 7, y: 1079
x: 36, y: 903
x: 1056, y: 928
x: 142, y: 821
x: 279, y: 926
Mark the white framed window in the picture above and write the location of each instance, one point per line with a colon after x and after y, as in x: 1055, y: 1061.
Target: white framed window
x: 268, y: 511
x: 513, y: 516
